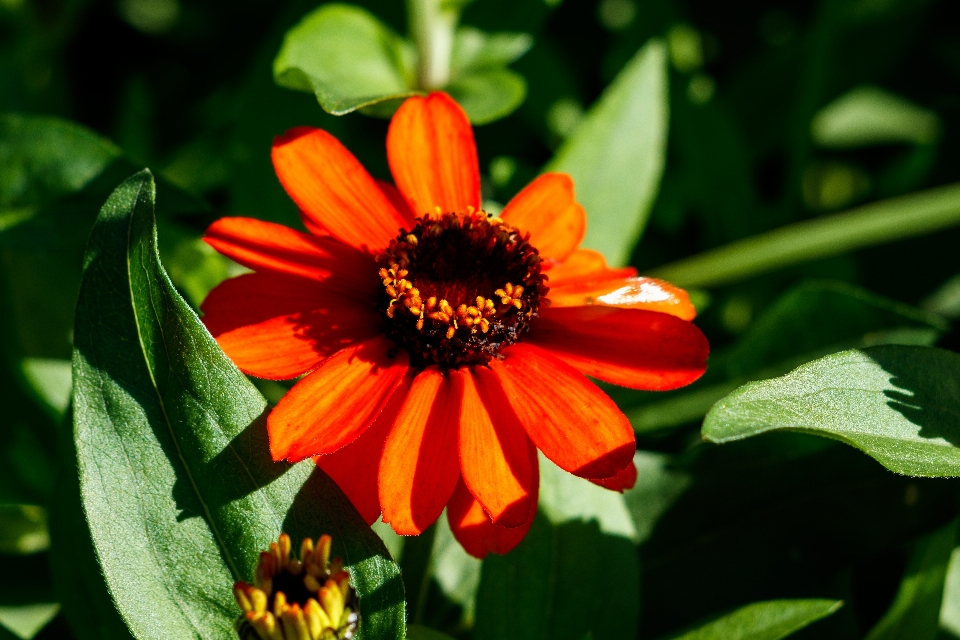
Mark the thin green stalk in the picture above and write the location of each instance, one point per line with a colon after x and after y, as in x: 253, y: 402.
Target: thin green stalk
x: 432, y: 25
x: 902, y: 217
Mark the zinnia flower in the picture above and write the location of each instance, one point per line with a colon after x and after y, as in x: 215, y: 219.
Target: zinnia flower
x: 442, y: 347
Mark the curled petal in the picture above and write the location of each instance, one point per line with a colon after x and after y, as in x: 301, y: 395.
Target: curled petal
x: 629, y: 347
x: 432, y: 155
x: 547, y: 210
x: 624, y: 480
x: 334, y: 191
x: 472, y: 528
x: 585, y: 265
x: 419, y: 467
x: 332, y: 406
x: 568, y: 418
x: 625, y: 293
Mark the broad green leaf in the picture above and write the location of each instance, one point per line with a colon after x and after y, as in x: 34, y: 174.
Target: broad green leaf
x: 574, y: 574
x: 50, y: 379
x: 616, y: 154
x: 869, y: 115
x: 475, y: 50
x: 345, y: 56
x: 809, y: 321
x: 915, y: 612
x: 769, y: 620
x: 490, y: 94
x: 898, y: 404
x: 175, y: 474
x: 42, y: 158
x: 884, y: 221
x: 23, y: 529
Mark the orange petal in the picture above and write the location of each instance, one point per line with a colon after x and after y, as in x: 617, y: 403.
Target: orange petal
x: 624, y: 480
x: 333, y: 189
x: 354, y: 468
x: 585, y: 265
x: 332, y: 406
x: 546, y: 208
x: 625, y: 293
x: 472, y: 528
x: 419, y: 467
x: 572, y: 421
x: 497, y: 459
x: 279, y: 327
x: 396, y: 198
x: 265, y: 246
x: 629, y: 347
x: 432, y: 155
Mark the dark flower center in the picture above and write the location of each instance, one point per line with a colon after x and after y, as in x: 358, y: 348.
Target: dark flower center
x: 458, y: 288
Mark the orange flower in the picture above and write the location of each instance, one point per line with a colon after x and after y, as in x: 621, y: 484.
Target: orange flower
x: 442, y: 347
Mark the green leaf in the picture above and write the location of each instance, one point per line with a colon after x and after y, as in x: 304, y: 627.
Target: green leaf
x: 574, y: 574
x: 23, y: 529
x: 616, y: 154
x: 884, y: 221
x: 475, y: 50
x: 898, y: 404
x: 869, y: 115
x: 42, y: 158
x: 809, y: 321
x: 26, y: 621
x: 915, y: 612
x: 769, y: 620
x: 175, y: 474
x: 345, y: 56
x: 419, y: 632
x: 489, y: 95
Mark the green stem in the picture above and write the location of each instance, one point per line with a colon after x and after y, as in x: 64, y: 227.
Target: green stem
x: 903, y: 217
x: 432, y: 25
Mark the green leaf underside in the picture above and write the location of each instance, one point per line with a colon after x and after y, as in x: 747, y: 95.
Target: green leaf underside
x: 809, y: 321
x: 556, y: 583
x: 474, y: 50
x: 489, y: 95
x: 915, y: 612
x: 770, y: 620
x: 617, y: 153
x: 345, y: 56
x: 175, y: 475
x: 899, y: 404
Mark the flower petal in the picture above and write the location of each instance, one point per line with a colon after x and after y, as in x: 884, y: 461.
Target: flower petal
x: 546, y: 208
x: 279, y: 327
x: 419, y: 467
x: 472, y: 528
x: 624, y: 480
x: 629, y: 347
x: 331, y: 187
x: 626, y: 293
x: 585, y: 265
x: 572, y: 421
x: 354, y: 468
x: 497, y: 459
x: 332, y: 406
x: 432, y: 155
x: 265, y: 246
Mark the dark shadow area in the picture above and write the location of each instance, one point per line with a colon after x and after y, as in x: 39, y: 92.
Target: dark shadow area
x: 928, y: 392
x: 759, y: 522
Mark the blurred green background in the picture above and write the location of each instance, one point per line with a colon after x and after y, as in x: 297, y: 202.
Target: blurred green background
x: 779, y: 113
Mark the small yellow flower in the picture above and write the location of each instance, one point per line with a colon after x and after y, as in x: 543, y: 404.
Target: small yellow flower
x: 306, y: 599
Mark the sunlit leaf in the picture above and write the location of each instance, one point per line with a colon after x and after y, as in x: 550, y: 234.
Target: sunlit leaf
x: 489, y: 95
x: 915, y: 612
x: 346, y: 57
x: 175, y: 474
x: 898, y: 404
x: 616, y: 154
x: 769, y: 620
x: 869, y: 115
x: 475, y: 50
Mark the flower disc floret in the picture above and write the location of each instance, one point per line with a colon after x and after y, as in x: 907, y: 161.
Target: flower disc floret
x: 458, y: 288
